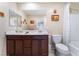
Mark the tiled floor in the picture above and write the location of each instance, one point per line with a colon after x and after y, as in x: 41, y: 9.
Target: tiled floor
x: 51, y: 51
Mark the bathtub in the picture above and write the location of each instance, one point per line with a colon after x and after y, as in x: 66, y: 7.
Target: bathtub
x: 74, y: 48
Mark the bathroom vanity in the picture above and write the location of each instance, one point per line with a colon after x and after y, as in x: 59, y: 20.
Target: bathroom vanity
x: 26, y: 45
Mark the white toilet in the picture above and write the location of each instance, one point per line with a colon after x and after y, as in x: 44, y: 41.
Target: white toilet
x: 61, y: 49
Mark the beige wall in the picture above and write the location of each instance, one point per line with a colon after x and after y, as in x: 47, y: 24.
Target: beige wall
x: 52, y: 26
x: 4, y: 24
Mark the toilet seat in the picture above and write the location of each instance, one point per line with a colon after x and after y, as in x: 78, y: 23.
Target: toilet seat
x: 62, y: 48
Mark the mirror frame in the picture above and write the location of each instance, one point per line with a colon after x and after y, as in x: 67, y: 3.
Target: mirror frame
x: 16, y: 16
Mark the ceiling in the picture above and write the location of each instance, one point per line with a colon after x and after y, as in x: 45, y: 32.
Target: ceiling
x: 42, y: 2
x: 39, y: 8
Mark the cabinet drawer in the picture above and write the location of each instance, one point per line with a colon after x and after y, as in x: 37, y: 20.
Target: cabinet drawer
x: 28, y: 37
x: 36, y: 37
x: 27, y: 43
x: 14, y: 37
x: 40, y: 37
x: 27, y: 52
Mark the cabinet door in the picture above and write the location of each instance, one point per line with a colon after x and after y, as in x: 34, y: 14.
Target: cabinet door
x: 27, y: 52
x: 27, y: 47
x: 10, y: 47
x: 44, y: 47
x: 35, y: 47
x: 27, y: 43
x: 18, y: 47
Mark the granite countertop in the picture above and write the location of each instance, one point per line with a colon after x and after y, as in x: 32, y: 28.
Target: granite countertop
x: 27, y: 32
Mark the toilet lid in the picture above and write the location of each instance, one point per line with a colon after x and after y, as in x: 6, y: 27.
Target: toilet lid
x: 62, y: 47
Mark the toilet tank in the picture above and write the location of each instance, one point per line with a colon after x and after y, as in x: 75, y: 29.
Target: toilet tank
x: 57, y: 38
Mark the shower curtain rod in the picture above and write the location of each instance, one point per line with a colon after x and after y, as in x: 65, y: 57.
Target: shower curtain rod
x: 74, y: 9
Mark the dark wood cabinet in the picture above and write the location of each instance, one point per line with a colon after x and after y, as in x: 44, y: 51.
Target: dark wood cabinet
x: 10, y: 47
x: 18, y: 47
x: 27, y: 45
x: 35, y: 48
x: 27, y: 52
x: 43, y: 47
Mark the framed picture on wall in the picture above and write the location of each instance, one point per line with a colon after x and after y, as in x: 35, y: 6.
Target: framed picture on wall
x: 54, y: 17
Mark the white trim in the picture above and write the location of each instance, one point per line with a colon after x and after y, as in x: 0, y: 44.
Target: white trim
x: 66, y: 24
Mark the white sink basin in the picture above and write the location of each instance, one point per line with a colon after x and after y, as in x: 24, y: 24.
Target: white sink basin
x: 14, y: 32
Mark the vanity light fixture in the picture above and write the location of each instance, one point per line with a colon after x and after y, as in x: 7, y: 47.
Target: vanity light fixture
x: 1, y: 14
x: 31, y: 21
x: 24, y: 22
x: 55, y: 17
x: 55, y: 11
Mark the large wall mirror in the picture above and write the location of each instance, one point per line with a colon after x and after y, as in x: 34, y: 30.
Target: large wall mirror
x: 14, y: 19
x: 38, y: 17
